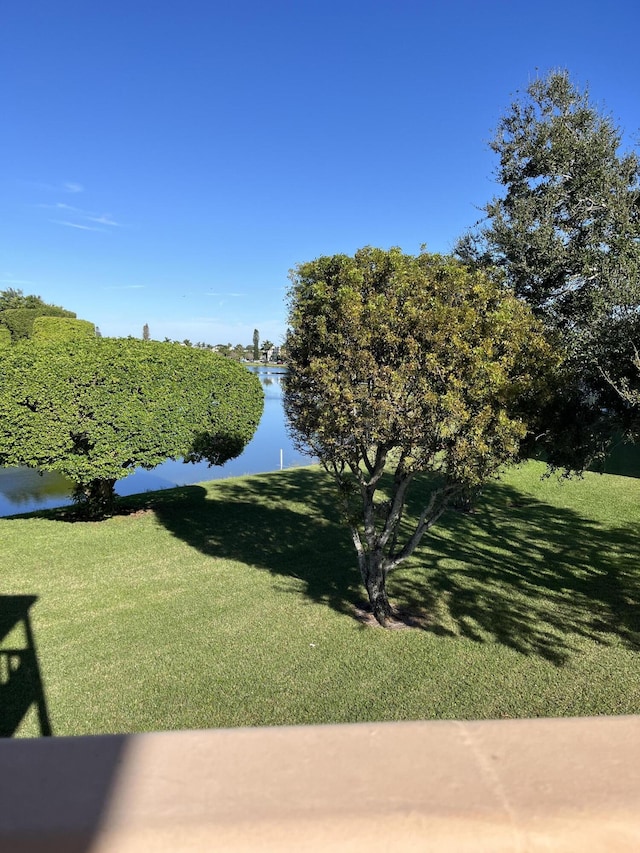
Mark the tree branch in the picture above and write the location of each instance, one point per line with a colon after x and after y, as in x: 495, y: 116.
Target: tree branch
x: 395, y: 511
x: 428, y: 517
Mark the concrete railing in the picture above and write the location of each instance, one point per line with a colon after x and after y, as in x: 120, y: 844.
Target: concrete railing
x: 515, y: 785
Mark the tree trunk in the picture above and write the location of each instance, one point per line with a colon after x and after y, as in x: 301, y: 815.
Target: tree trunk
x: 376, y: 585
x: 375, y: 543
x: 96, y: 498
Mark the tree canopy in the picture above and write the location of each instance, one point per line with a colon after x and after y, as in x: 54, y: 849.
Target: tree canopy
x: 402, y: 364
x: 96, y: 409
x: 566, y: 236
x: 13, y: 297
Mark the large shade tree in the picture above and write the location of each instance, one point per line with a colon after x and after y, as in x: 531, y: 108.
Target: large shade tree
x: 94, y: 410
x: 403, y: 364
x: 565, y: 234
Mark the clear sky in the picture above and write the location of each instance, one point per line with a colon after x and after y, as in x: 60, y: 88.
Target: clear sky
x: 168, y: 162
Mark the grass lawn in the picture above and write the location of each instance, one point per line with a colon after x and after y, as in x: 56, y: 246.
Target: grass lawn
x: 233, y: 604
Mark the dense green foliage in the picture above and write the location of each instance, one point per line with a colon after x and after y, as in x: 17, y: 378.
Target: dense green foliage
x: 238, y: 603
x: 566, y: 234
x: 407, y: 364
x: 18, y: 312
x: 5, y: 337
x: 20, y: 321
x: 95, y: 410
x: 48, y: 328
x: 14, y: 298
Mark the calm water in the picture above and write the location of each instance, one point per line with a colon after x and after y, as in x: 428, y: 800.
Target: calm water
x: 23, y: 489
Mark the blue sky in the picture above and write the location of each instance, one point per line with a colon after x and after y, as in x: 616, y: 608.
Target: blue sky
x: 168, y: 163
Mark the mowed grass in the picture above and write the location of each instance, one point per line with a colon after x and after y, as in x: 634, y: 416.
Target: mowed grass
x: 235, y: 603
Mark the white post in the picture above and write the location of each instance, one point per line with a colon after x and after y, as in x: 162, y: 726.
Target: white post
x: 281, y: 459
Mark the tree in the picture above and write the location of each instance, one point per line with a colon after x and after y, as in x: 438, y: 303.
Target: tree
x: 566, y: 236
x: 400, y: 365
x: 95, y: 410
x: 12, y: 298
x: 145, y: 332
x: 256, y: 347
x: 266, y: 349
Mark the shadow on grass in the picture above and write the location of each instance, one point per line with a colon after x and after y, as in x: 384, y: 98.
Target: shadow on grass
x: 520, y: 572
x: 287, y: 524
x: 21, y: 684
x: 530, y: 575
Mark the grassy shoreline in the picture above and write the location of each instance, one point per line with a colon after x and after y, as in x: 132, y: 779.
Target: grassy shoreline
x: 235, y: 602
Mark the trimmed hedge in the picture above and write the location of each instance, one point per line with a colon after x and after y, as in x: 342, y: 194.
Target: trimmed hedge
x: 96, y: 409
x: 62, y: 329
x: 20, y: 321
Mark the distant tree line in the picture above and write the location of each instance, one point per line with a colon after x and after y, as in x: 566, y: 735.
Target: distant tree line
x: 267, y: 351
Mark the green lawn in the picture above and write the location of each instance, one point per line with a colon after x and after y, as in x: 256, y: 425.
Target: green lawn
x: 233, y: 604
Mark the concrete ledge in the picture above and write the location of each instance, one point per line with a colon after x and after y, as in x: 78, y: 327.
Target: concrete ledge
x: 516, y: 785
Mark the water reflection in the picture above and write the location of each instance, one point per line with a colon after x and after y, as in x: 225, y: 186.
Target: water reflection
x: 24, y: 489
x: 23, y: 486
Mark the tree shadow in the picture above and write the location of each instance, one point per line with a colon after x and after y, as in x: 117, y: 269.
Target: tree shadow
x: 517, y: 571
x: 21, y: 684
x: 530, y: 575
x: 287, y: 524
